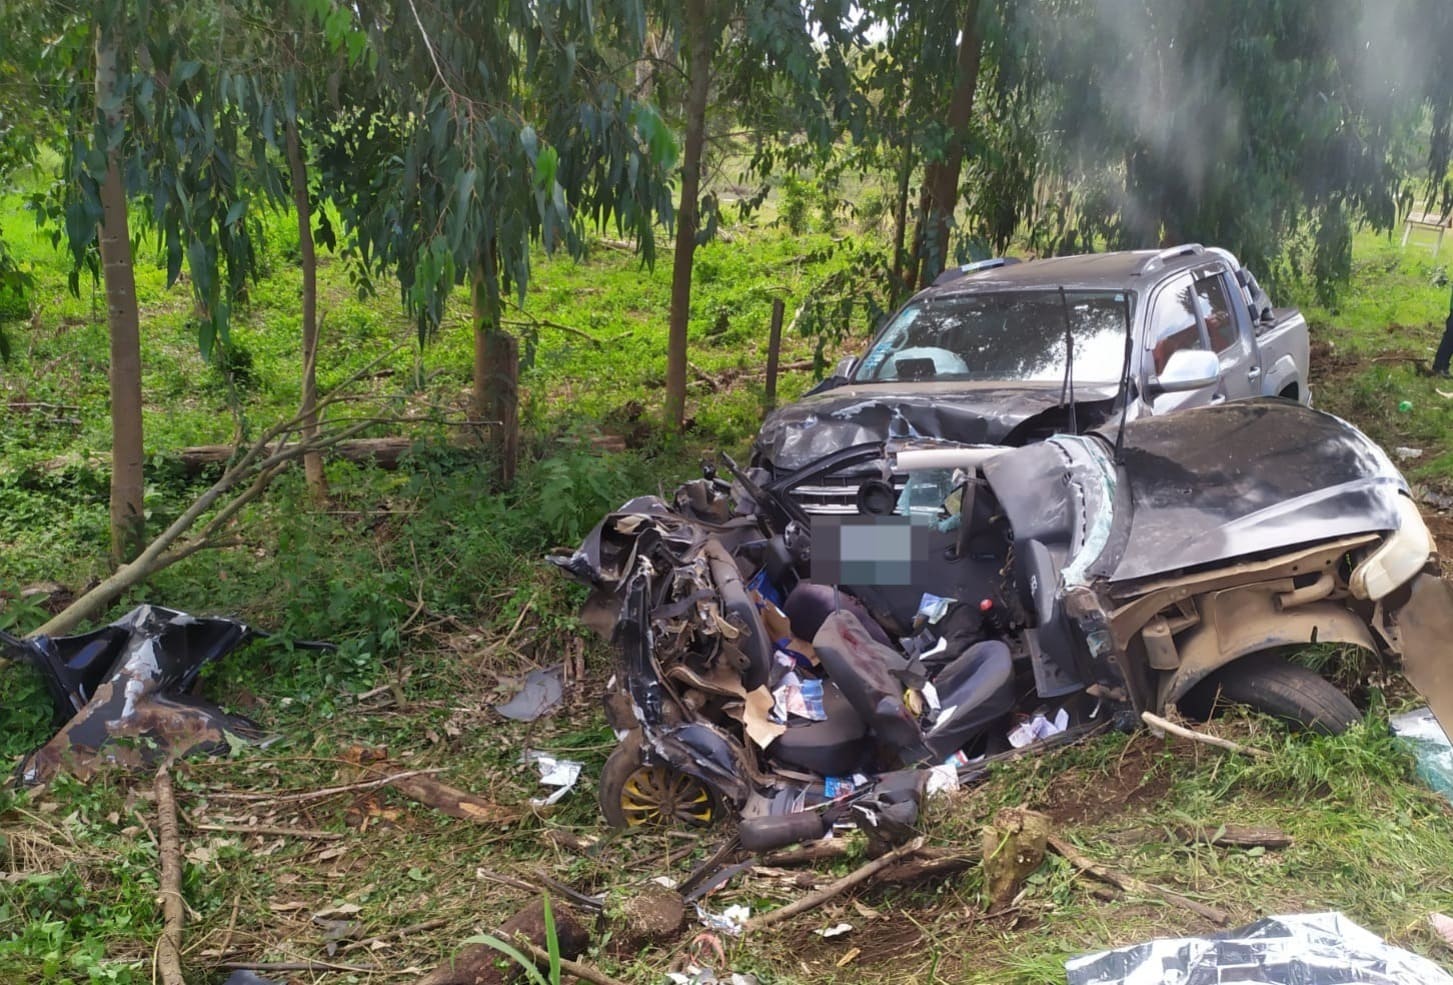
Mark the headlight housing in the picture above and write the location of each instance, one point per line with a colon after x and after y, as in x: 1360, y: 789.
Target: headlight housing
x: 1401, y: 555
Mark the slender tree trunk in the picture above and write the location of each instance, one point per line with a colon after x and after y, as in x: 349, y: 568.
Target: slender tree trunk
x: 941, y: 178
x: 920, y: 231
x: 298, y: 169
x: 900, y: 221
x: 128, y: 521
x: 698, y: 50
x: 496, y: 368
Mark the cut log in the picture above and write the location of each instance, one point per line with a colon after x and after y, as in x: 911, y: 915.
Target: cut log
x: 383, y: 452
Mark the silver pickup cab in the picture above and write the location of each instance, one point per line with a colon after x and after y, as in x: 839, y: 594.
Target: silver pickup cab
x: 1004, y: 352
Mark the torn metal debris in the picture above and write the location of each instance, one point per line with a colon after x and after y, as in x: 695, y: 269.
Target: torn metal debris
x: 1301, y: 949
x: 122, y: 692
x: 541, y: 691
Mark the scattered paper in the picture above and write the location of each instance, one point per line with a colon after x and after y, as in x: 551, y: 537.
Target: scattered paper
x: 931, y: 608
x: 943, y: 778
x: 795, y: 697
x: 1405, y: 453
x: 729, y: 921
x: 837, y: 930
x: 559, y: 773
x: 1038, y: 728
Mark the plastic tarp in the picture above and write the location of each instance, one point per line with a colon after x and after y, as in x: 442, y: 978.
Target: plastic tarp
x: 1302, y: 949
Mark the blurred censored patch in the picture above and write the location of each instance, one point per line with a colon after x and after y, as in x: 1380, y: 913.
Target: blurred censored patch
x: 868, y: 550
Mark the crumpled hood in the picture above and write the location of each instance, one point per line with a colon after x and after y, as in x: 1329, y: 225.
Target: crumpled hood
x: 856, y: 413
x: 1248, y: 477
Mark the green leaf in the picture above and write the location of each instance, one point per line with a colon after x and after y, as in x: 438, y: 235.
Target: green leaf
x: 546, y: 167
x: 552, y: 938
x: 235, y: 212
x: 530, y: 141
x: 464, y: 189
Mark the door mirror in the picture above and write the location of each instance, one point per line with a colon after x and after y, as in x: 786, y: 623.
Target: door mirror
x: 845, y: 367
x: 1186, y: 369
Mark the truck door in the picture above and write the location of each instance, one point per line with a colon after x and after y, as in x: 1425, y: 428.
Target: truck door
x: 1176, y: 324
x: 1228, y: 333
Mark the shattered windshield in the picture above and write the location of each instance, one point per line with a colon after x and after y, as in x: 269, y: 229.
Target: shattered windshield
x: 1005, y: 335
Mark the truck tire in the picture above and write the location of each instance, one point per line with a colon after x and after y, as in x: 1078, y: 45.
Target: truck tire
x: 633, y: 794
x: 1275, y: 686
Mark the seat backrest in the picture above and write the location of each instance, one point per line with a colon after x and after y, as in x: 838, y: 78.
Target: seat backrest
x: 755, y: 642
x: 863, y: 669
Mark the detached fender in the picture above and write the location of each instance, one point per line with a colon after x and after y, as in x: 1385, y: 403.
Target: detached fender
x: 1422, y: 629
x: 1241, y: 621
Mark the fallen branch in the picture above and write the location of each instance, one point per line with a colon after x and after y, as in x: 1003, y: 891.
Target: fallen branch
x: 1155, y: 721
x: 451, y: 800
x: 1234, y: 836
x: 932, y: 867
x: 294, y: 966
x: 813, y: 900
x: 297, y: 798
x: 173, y: 908
x: 1130, y: 884
x: 409, y: 931
x: 818, y: 851
x: 582, y: 971
x: 242, y: 482
x: 281, y: 830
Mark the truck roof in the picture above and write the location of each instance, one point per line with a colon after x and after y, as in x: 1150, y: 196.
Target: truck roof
x: 1131, y: 270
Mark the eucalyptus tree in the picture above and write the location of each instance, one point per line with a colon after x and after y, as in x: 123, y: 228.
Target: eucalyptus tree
x: 303, y: 76
x: 951, y: 86
x: 781, y: 68
x: 147, y: 119
x: 513, y: 130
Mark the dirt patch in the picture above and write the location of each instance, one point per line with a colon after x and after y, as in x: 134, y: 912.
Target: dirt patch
x: 1083, y: 796
x: 878, y: 942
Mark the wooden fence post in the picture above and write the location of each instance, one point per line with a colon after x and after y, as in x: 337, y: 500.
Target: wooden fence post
x: 774, y: 347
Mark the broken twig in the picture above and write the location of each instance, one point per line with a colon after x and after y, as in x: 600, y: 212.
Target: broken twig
x: 281, y: 830
x: 173, y: 910
x: 294, y: 966
x: 1130, y: 884
x: 1155, y: 721
x: 409, y: 931
x: 813, y: 900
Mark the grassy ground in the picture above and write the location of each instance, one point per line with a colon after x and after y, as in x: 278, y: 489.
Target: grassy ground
x: 430, y: 583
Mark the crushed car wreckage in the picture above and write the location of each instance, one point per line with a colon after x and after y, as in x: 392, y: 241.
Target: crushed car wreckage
x: 772, y: 661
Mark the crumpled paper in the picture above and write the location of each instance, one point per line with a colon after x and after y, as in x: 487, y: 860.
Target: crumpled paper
x: 554, y: 772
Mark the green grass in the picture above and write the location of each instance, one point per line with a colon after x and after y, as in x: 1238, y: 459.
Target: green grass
x: 431, y: 584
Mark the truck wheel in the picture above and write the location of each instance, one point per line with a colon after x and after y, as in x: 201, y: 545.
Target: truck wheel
x: 633, y: 794
x: 1273, y: 685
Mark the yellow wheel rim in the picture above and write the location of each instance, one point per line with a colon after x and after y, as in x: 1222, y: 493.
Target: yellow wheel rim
x: 659, y: 795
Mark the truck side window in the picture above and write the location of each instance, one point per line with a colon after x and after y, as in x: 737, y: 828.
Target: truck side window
x: 1173, y: 324
x: 1220, y: 325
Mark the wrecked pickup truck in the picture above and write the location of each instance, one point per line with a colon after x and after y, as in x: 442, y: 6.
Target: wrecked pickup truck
x: 771, y: 661
x: 1008, y: 353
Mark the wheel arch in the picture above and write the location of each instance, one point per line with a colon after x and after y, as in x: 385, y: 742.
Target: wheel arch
x: 1236, y: 624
